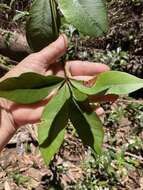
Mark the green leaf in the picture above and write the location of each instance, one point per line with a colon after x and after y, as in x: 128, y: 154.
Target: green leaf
x: 88, y: 16
x: 29, y: 81
x: 29, y: 87
x: 79, y: 96
x: 52, y: 129
x: 88, y: 125
x: 28, y: 96
x: 111, y: 82
x: 55, y: 135
x: 43, y: 24
x: 51, y: 111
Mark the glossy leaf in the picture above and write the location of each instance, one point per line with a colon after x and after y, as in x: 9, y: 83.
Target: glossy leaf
x: 111, y: 82
x: 28, y: 87
x: 79, y: 96
x: 88, y: 16
x: 88, y: 125
x: 28, y: 96
x: 55, y: 135
x: 43, y: 24
x: 52, y: 129
x: 51, y: 111
x: 29, y: 81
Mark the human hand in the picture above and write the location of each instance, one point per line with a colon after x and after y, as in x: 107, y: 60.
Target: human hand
x: 44, y: 62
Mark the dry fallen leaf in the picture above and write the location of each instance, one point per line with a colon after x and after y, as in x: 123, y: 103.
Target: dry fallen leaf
x: 6, y: 186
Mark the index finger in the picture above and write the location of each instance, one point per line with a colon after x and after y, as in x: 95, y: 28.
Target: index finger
x: 85, y: 68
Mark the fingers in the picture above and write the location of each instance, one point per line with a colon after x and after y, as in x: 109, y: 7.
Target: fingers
x: 85, y: 68
x: 54, y: 51
x: 23, y: 114
x: 83, y: 78
x: 39, y: 62
x: 56, y: 69
x: 100, y: 111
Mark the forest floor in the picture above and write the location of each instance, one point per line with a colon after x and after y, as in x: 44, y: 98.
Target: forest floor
x: 75, y: 168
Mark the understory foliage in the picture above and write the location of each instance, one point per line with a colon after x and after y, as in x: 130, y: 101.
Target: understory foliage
x: 72, y: 99
x: 120, y: 165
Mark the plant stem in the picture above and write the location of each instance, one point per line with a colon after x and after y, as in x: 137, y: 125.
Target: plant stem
x: 63, y: 59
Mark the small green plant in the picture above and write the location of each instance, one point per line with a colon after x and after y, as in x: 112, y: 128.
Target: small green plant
x: 20, y: 179
x: 71, y: 101
x: 116, y: 115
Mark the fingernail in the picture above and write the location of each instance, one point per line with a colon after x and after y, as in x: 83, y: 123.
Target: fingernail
x: 64, y: 39
x: 100, y: 111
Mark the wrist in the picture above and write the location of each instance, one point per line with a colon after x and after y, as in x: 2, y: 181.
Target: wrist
x: 7, y: 125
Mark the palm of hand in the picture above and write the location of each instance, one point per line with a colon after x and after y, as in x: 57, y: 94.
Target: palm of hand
x: 45, y: 63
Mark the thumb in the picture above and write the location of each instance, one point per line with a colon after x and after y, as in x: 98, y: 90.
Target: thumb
x: 54, y: 51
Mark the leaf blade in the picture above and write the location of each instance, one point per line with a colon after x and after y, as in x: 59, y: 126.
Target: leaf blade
x: 41, y: 28
x: 58, y: 101
x: 79, y: 96
x: 28, y: 96
x: 56, y: 135
x: 88, y: 16
x: 111, y: 82
x: 29, y: 80
x: 88, y: 126
x: 55, y: 117
x: 29, y: 87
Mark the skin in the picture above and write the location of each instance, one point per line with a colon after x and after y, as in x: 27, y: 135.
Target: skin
x: 44, y: 62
